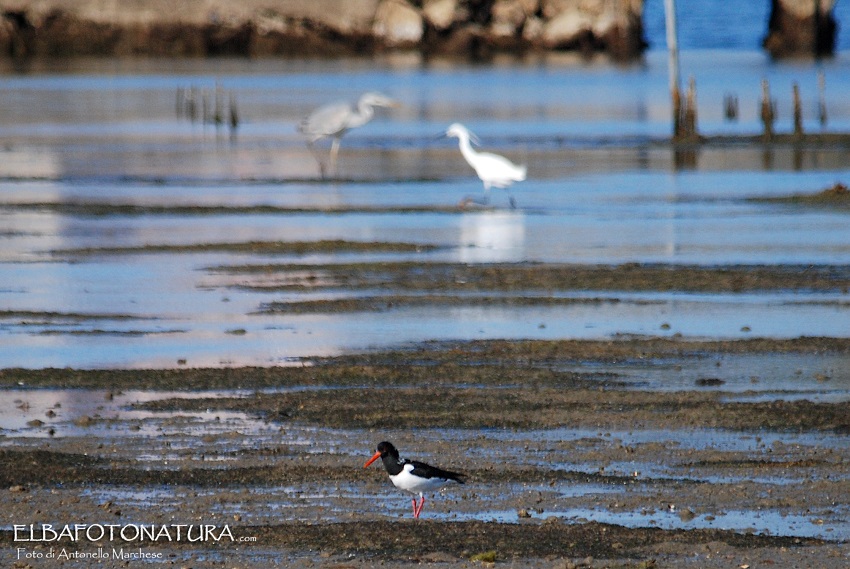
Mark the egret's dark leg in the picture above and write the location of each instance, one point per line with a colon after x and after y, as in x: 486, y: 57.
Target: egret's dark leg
x: 482, y: 202
x: 317, y: 156
x: 486, y: 199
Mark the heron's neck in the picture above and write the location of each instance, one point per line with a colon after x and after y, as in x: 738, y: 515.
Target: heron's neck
x: 364, y: 114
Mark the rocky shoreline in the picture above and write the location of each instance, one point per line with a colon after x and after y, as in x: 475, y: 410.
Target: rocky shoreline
x: 460, y: 28
x: 318, y: 27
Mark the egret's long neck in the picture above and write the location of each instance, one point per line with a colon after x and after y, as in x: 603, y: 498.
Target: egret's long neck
x: 466, y: 148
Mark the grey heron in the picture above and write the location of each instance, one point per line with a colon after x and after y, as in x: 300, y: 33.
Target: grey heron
x: 334, y: 120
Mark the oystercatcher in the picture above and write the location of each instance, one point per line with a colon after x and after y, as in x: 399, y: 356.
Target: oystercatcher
x: 413, y: 476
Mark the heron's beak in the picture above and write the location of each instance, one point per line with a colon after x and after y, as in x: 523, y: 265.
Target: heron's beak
x: 375, y: 457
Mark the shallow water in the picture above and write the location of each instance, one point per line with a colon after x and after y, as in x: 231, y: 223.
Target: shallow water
x: 662, y: 489
x: 600, y: 191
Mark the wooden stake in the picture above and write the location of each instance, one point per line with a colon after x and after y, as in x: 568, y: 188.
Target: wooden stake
x: 767, y: 110
x: 689, y: 128
x: 822, y: 98
x: 798, y: 111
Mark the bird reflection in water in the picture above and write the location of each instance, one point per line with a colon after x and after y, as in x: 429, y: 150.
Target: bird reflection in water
x: 492, y: 236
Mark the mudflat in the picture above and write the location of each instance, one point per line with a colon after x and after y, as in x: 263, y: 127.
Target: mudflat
x: 576, y: 457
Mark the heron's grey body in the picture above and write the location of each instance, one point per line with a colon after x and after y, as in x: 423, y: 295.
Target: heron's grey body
x: 334, y: 120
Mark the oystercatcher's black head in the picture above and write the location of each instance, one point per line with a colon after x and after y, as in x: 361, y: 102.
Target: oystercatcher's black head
x: 384, y: 450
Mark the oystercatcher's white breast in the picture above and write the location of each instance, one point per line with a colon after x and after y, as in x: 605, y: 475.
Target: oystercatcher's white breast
x: 406, y: 480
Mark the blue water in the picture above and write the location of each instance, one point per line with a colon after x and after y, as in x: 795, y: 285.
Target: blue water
x: 599, y: 191
x: 725, y: 25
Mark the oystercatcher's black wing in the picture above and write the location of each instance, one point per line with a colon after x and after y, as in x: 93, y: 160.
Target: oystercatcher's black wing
x: 427, y: 471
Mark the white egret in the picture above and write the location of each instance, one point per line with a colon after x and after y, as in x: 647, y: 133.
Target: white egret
x: 494, y: 170
x: 334, y: 120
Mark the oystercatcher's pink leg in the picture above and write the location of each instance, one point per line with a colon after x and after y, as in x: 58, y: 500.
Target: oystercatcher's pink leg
x: 413, y: 476
x: 418, y: 510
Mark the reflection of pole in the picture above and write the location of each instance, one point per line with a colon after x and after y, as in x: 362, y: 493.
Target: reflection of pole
x: 798, y: 110
x: 767, y: 110
x: 822, y: 98
x: 673, y: 64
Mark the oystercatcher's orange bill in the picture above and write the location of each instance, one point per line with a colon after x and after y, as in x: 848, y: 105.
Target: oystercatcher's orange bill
x: 375, y: 457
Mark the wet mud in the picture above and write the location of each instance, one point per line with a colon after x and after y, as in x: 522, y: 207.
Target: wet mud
x: 571, y: 463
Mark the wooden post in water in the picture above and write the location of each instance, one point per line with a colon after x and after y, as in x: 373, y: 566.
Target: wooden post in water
x: 798, y: 111
x: 218, y: 112
x: 767, y: 114
x: 689, y: 116
x: 192, y: 104
x: 673, y: 65
x: 822, y: 98
x: 234, y: 114
x: 181, y: 98
x: 730, y: 107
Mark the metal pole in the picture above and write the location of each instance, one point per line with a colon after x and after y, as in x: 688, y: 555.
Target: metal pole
x: 673, y: 63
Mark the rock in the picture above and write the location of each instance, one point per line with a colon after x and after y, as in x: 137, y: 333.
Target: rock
x: 530, y: 7
x: 805, y: 8
x: 84, y: 421
x: 566, y: 29
x: 509, y: 12
x: 439, y: 13
x: 508, y: 16
x: 398, y: 24
x: 316, y: 27
x: 463, y: 40
x: 801, y: 28
x: 532, y: 31
x: 597, y: 25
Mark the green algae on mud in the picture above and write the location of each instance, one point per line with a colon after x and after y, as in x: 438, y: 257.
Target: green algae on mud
x: 450, y: 544
x: 545, y: 277
x: 374, y: 303
x: 524, y: 407
x: 41, y: 316
x: 255, y: 248
x: 106, y: 209
x: 837, y: 196
x: 51, y: 323
x: 463, y: 539
x: 233, y: 475
x: 478, y: 385
x: 481, y: 362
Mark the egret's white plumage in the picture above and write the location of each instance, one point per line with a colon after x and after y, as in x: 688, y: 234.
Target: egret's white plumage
x: 493, y: 170
x: 334, y: 120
